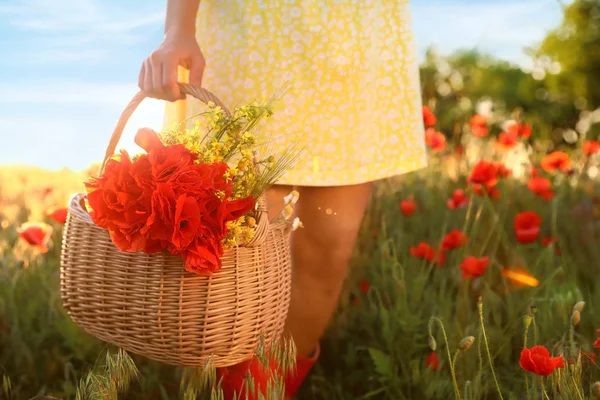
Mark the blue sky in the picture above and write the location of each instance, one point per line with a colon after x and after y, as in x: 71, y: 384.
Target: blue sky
x: 68, y: 67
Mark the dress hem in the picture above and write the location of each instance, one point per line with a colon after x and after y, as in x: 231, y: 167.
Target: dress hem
x: 305, y: 177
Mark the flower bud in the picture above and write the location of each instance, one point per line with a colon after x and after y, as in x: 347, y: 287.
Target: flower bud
x: 466, y: 343
x: 575, y: 318
x: 596, y: 389
x: 432, y: 343
x: 242, y: 164
x: 288, y: 211
x: 579, y: 306
x: 251, y: 222
x: 533, y: 310
x: 528, y: 319
x: 467, y: 389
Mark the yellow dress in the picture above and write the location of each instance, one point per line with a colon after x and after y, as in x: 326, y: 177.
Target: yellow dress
x: 355, y: 93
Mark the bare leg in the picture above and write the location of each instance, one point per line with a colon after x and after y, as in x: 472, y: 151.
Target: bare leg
x: 320, y: 253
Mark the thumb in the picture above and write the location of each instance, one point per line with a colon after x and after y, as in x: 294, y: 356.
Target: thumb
x: 196, y: 69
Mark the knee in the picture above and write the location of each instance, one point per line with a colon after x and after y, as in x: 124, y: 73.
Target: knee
x: 324, y: 252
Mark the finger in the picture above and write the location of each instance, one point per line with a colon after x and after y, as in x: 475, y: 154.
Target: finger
x: 148, y: 78
x: 141, y: 76
x: 157, y: 75
x: 169, y: 79
x: 196, y: 69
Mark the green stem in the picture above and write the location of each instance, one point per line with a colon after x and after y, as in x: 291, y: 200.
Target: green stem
x: 487, y: 347
x: 577, y: 388
x: 479, y: 341
x: 525, y: 345
x: 450, y: 359
x: 535, y: 333
x: 543, y: 386
x: 454, y: 359
x: 572, y: 340
x: 468, y: 390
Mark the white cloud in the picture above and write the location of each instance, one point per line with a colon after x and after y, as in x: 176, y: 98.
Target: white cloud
x: 86, y: 31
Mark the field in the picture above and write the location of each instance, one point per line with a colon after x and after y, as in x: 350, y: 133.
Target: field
x: 440, y: 256
x: 475, y: 278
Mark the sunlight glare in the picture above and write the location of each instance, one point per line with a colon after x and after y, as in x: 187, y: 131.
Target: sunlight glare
x: 150, y: 114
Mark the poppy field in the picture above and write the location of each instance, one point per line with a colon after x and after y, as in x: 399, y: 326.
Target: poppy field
x: 475, y: 278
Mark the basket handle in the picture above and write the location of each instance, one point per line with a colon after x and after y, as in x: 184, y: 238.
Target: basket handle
x: 194, y: 91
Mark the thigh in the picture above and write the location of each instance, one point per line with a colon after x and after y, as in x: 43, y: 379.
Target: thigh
x: 332, y: 215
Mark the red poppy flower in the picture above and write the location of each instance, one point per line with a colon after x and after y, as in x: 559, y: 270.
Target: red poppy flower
x: 364, y: 286
x: 154, y: 202
x: 479, y: 125
x: 520, y: 130
x: 408, y: 207
x: 453, y: 240
x: 432, y: 361
x: 435, y: 140
x: 541, y: 187
x: 473, y: 267
x: 36, y: 234
x: 425, y: 252
x: 534, y: 171
x: 527, y: 226
x: 429, y: 118
x: 458, y: 199
x: 537, y: 360
x: 548, y: 241
x: 186, y: 222
x: 556, y: 160
x: 596, y: 344
x: 502, y: 170
x: 590, y: 147
x: 492, y: 192
x: 525, y: 131
x: 439, y: 258
x: 507, y: 140
x: 484, y: 173
x: 59, y: 215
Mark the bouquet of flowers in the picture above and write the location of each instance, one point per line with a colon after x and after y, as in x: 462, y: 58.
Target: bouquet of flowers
x: 195, y: 190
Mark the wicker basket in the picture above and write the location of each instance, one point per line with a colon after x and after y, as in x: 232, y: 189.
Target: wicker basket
x: 149, y: 305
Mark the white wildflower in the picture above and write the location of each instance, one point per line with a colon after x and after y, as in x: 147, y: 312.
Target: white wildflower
x: 297, y: 224
x: 292, y: 197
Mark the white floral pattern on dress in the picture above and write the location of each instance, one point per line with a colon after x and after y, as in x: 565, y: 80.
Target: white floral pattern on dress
x: 355, y: 93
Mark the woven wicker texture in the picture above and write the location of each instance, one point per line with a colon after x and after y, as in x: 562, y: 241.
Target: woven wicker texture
x: 149, y: 305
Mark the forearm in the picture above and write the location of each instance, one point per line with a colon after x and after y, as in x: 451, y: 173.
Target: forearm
x: 181, y: 17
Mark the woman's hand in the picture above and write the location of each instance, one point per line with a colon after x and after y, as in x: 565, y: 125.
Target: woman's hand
x: 158, y: 76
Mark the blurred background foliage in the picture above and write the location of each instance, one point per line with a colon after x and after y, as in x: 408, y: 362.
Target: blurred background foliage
x: 558, y: 94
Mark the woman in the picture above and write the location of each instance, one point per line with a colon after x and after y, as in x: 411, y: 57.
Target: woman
x: 354, y: 98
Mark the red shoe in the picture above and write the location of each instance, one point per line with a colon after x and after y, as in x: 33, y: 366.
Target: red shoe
x: 233, y: 380
x: 294, y: 379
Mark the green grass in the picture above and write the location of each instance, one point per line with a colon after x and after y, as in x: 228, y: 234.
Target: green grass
x: 377, y: 345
